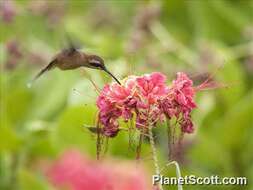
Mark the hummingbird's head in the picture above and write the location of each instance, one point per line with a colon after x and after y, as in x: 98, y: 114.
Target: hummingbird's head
x: 96, y: 62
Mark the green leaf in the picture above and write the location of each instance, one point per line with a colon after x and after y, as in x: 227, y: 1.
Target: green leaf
x: 9, y: 140
x: 51, y: 94
x: 237, y: 122
x: 30, y: 181
x: 71, y: 133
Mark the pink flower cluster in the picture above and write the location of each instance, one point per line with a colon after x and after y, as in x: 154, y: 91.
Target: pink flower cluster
x: 150, y: 99
x: 74, y: 171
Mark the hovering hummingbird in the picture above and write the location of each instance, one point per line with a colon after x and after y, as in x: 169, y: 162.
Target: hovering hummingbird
x: 72, y: 58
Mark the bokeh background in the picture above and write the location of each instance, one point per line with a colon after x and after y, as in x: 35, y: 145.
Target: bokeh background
x: 201, y: 38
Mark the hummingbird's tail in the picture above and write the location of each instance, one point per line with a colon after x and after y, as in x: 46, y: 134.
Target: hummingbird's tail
x: 47, y: 68
x: 112, y: 76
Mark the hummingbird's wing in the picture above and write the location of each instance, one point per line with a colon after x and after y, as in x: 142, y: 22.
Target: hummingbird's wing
x: 72, y: 45
x: 69, y: 51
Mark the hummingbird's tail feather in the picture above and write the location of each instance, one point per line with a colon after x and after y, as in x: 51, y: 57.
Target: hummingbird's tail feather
x: 112, y: 76
x: 47, y: 68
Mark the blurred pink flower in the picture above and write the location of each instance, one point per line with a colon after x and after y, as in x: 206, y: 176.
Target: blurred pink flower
x: 150, y: 99
x: 7, y: 10
x: 75, y: 172
x: 13, y: 54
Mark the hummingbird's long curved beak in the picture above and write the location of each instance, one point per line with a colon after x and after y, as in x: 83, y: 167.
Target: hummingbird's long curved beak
x: 111, y: 75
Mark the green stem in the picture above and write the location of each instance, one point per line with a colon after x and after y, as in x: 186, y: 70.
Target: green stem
x: 169, y: 140
x: 98, y: 144
x: 138, y: 149
x: 13, y: 183
x: 154, y: 154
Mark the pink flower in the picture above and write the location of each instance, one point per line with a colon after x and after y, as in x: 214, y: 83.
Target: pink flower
x: 152, y: 86
x: 149, y: 98
x: 75, y: 172
x: 179, y: 103
x: 187, y: 125
x: 8, y: 11
x: 117, y: 93
x: 108, y: 116
x: 183, y: 91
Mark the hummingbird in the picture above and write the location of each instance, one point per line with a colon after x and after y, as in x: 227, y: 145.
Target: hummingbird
x: 72, y: 58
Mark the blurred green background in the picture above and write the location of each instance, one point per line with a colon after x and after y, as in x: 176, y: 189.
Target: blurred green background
x: 198, y: 37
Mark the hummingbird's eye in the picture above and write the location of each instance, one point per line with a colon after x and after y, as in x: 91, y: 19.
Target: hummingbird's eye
x: 95, y: 63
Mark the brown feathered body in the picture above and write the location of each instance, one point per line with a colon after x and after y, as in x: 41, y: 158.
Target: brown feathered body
x: 68, y: 60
